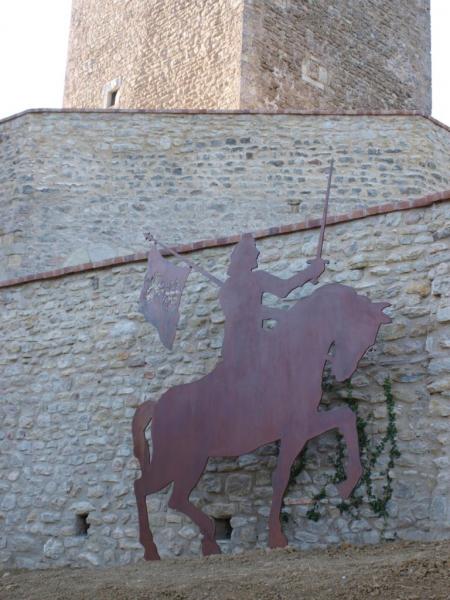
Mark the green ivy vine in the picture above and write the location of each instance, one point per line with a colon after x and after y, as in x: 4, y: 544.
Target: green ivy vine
x: 369, y: 457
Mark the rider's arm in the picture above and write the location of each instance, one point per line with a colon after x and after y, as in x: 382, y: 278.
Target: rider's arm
x: 283, y: 287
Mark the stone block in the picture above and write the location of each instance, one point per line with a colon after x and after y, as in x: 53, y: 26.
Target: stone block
x: 443, y: 314
x: 8, y: 502
x: 238, y: 485
x: 211, y: 483
x: 188, y: 532
x: 439, y: 510
x: 53, y: 548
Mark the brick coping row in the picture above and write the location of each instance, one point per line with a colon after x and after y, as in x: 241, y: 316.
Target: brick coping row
x: 381, y: 209
x: 187, y: 111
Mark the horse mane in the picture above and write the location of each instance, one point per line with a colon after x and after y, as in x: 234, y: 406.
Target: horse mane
x: 333, y: 301
x: 331, y: 292
x: 338, y: 288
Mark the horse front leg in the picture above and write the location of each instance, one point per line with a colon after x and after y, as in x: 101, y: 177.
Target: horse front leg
x: 289, y: 449
x: 344, y: 420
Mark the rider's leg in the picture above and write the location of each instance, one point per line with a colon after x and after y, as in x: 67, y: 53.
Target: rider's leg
x: 344, y: 420
x: 289, y: 449
x: 179, y: 500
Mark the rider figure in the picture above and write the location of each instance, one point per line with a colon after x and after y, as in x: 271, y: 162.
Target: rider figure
x: 241, y: 300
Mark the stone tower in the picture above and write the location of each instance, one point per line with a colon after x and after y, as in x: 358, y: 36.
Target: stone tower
x: 250, y: 54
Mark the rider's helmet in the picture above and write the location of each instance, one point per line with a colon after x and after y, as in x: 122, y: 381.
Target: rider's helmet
x: 245, y: 255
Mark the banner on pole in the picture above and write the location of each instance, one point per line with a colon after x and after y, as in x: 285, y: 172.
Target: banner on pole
x: 161, y: 295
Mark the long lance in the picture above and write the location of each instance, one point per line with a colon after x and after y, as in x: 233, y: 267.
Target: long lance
x: 325, y: 212
x: 215, y: 280
x: 218, y: 282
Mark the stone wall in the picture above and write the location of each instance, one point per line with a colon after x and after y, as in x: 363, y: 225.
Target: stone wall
x: 317, y: 54
x: 177, y: 54
x: 366, y: 55
x: 77, y: 358
x: 81, y: 187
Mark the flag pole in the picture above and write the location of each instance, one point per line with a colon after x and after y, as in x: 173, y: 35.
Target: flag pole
x: 215, y: 280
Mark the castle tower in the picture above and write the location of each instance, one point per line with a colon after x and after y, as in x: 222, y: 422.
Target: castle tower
x: 250, y: 54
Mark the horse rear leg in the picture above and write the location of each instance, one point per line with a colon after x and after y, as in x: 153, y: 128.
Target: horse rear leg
x: 289, y: 449
x: 153, y: 477
x: 344, y: 420
x: 141, y: 490
x: 179, y: 500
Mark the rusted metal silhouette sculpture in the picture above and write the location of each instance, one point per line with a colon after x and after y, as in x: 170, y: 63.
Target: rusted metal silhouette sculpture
x: 267, y: 387
x: 161, y: 295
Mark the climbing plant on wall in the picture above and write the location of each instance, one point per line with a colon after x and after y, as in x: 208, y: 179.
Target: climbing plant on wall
x: 370, y: 458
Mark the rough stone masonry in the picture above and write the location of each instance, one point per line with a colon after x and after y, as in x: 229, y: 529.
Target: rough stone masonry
x: 76, y: 357
x: 80, y: 187
x: 250, y: 54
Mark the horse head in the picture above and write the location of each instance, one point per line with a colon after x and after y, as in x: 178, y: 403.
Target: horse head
x: 356, y: 321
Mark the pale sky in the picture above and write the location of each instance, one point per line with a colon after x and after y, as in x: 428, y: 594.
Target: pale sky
x: 33, y: 48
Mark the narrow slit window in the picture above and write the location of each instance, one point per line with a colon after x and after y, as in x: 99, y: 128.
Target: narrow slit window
x: 112, y: 98
x: 82, y: 525
x: 111, y: 93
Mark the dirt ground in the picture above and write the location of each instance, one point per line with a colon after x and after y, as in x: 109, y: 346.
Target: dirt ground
x: 388, y: 571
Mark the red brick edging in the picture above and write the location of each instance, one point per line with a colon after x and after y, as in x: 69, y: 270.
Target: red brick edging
x: 381, y: 209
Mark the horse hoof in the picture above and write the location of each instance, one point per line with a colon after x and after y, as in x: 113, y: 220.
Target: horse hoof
x: 278, y: 541
x: 151, y: 553
x: 210, y: 547
x: 345, y: 489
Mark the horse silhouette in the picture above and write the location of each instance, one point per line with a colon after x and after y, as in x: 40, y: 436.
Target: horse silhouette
x: 255, y: 398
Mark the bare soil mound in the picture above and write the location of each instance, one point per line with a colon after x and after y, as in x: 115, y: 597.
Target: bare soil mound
x: 393, y: 571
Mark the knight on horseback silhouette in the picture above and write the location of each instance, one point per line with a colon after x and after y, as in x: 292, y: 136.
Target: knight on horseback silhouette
x: 241, y: 300
x: 266, y: 388
x: 240, y: 295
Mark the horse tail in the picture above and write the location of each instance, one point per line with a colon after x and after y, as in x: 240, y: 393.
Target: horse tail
x: 141, y: 420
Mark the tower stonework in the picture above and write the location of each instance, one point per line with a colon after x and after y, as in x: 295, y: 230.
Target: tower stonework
x: 154, y: 54
x: 250, y: 54
x: 336, y: 55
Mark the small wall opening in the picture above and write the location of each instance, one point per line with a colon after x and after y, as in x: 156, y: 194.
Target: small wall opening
x: 111, y: 99
x: 111, y: 93
x: 81, y: 524
x: 223, y: 528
